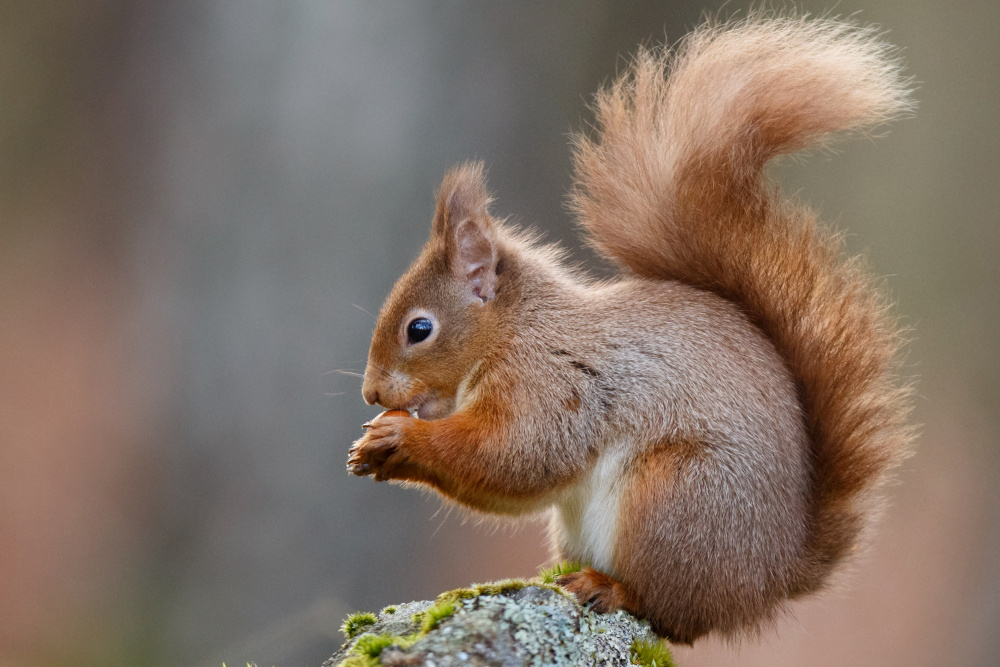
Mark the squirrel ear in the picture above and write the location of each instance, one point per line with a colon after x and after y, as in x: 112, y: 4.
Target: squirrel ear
x: 474, y: 259
x: 462, y: 221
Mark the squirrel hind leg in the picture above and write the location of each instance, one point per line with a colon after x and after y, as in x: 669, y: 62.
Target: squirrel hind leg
x: 604, y: 593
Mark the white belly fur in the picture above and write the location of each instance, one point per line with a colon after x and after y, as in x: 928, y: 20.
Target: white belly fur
x: 586, y: 514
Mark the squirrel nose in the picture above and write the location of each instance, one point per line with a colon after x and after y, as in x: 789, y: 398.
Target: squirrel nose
x: 370, y: 394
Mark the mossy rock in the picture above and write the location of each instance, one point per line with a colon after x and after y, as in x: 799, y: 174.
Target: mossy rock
x: 512, y: 622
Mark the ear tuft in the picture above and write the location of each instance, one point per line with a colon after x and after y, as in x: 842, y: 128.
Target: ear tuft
x: 462, y: 196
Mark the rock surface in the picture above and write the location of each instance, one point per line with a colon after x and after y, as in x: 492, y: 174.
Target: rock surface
x: 521, y: 624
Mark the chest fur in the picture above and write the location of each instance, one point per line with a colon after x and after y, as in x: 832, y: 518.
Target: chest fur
x: 585, y: 522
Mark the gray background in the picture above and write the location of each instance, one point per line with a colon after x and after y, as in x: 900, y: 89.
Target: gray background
x: 198, y: 201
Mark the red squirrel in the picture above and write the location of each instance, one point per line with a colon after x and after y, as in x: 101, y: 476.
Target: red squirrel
x: 712, y: 430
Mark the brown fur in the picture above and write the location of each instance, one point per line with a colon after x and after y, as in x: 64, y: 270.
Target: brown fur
x: 714, y: 429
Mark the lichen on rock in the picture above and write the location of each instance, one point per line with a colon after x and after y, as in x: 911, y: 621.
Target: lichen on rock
x: 507, y: 623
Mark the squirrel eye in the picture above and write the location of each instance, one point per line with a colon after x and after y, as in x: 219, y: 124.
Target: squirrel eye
x: 419, y: 329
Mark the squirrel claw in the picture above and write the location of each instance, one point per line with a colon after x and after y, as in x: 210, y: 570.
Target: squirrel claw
x: 356, y: 465
x: 375, y: 453
x: 358, y: 468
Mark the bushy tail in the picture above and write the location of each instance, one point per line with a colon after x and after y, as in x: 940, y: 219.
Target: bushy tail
x: 672, y: 187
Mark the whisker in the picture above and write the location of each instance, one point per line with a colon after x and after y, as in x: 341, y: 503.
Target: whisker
x: 364, y: 311
x: 345, y: 371
x: 350, y: 371
x: 381, y: 370
x: 339, y: 393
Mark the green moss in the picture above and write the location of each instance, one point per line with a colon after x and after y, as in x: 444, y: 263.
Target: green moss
x: 367, y: 651
x: 501, y: 587
x: 391, y: 609
x: 548, y: 575
x: 492, y: 588
x: 353, y: 624
x: 360, y: 661
x: 372, y: 645
x: 454, y: 596
x: 651, y: 654
x: 435, y: 614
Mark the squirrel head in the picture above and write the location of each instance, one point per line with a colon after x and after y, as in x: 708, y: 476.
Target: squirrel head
x: 439, y: 318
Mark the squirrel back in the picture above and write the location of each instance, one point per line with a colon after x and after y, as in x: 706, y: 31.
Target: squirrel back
x: 672, y: 187
x: 713, y: 430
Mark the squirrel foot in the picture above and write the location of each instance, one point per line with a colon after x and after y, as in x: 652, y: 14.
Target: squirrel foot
x: 604, y: 593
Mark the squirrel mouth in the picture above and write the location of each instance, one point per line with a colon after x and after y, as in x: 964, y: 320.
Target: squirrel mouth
x: 430, y: 407
x: 416, y: 407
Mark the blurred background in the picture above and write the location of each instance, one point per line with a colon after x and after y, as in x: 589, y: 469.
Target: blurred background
x: 199, y: 202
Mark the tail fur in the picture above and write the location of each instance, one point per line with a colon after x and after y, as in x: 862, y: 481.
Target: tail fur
x: 672, y: 187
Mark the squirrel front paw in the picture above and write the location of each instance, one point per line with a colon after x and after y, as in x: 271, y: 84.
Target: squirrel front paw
x: 380, y: 451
